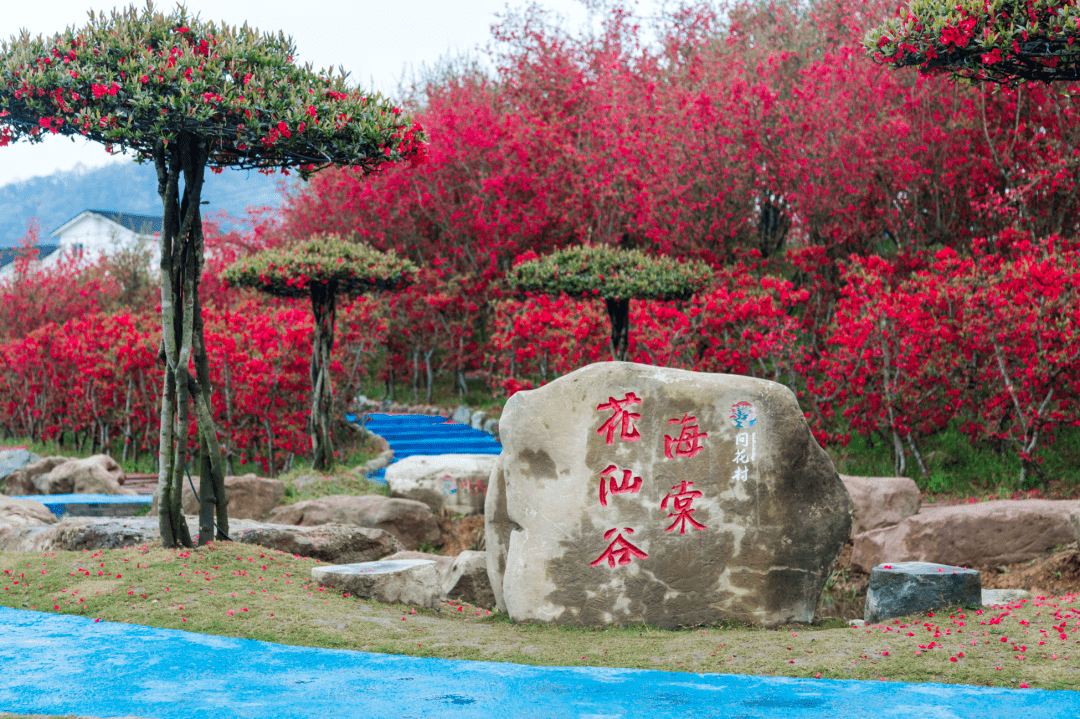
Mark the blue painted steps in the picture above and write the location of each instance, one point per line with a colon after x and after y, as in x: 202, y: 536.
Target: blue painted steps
x: 420, y: 434
x: 92, y: 505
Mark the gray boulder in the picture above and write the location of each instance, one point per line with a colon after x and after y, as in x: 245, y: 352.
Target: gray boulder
x: 334, y: 543
x: 411, y: 522
x: 904, y: 588
x: 992, y: 597
x: 455, y: 482
x: 99, y: 474
x: 492, y: 427
x: 469, y: 582
x: 12, y: 460
x: 400, y: 581
x: 973, y: 535
x: 881, y: 501
x: 23, y: 513
x: 629, y: 493
x: 462, y: 415
x: 23, y: 481
x: 477, y: 420
x: 249, y: 496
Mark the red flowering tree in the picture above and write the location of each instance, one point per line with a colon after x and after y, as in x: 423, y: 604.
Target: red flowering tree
x: 187, y: 95
x: 1008, y: 41
x: 322, y: 268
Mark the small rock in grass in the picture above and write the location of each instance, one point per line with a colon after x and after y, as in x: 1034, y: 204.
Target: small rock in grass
x: 401, y: 581
x: 904, y: 588
x: 991, y: 597
x: 469, y: 581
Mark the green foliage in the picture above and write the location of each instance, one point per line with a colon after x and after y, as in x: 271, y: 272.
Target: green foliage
x: 610, y: 273
x: 134, y: 78
x: 1004, y: 41
x: 328, y: 259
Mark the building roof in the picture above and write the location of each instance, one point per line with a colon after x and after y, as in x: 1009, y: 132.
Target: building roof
x: 139, y: 224
x: 9, y: 254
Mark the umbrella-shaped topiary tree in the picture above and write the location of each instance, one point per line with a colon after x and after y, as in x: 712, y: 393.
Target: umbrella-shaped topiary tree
x: 322, y: 268
x: 614, y: 275
x: 186, y: 95
x: 1004, y: 41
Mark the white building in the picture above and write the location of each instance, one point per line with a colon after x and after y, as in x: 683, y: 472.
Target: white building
x: 91, y: 235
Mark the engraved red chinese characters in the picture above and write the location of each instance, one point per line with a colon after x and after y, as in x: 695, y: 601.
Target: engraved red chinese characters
x: 620, y: 550
x: 688, y: 443
x: 608, y: 483
x: 623, y: 419
x: 680, y: 507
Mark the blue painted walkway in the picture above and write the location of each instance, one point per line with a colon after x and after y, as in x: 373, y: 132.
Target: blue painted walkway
x: 58, y: 664
x: 91, y: 504
x: 416, y: 434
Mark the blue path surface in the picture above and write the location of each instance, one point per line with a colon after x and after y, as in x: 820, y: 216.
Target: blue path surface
x: 58, y: 503
x: 420, y: 434
x: 59, y: 664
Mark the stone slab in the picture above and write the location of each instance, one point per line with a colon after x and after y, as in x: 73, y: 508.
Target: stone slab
x: 990, y: 597
x: 904, y: 588
x: 399, y: 581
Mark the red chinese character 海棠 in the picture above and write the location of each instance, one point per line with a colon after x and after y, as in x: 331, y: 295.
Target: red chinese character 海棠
x: 608, y: 483
x: 620, y: 550
x: 680, y: 507
x: 622, y: 418
x: 688, y: 443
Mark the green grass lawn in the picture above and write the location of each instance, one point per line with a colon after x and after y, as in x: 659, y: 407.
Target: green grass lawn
x: 239, y: 590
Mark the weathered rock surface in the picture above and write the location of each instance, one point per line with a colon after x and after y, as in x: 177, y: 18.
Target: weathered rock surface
x: 23, y: 481
x: 990, y: 597
x: 399, y: 581
x: 329, y: 543
x: 469, y: 582
x: 455, y: 482
x: 462, y: 415
x: 12, y: 460
x: 249, y: 496
x: 904, y: 588
x: 881, y: 501
x: 410, y: 521
x: 629, y: 493
x: 99, y: 474
x: 23, y: 513
x: 982, y: 534
x: 1075, y: 521
x: 334, y: 543
x: 444, y: 564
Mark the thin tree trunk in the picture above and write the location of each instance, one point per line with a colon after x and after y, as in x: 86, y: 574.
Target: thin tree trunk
x: 183, y: 344
x: 320, y: 426
x: 619, y: 316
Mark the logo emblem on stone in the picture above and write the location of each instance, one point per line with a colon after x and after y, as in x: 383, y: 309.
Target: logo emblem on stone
x: 743, y: 414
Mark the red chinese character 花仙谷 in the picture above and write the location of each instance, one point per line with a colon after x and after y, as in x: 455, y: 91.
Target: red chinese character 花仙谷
x: 622, y: 418
x: 623, y: 554
x: 688, y: 443
x: 608, y: 483
x: 680, y: 507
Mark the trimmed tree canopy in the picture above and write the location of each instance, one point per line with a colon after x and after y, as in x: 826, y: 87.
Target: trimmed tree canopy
x: 138, y: 77
x: 328, y: 260
x: 609, y: 273
x: 1003, y: 41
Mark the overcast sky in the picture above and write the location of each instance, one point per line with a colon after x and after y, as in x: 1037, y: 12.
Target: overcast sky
x: 375, y: 40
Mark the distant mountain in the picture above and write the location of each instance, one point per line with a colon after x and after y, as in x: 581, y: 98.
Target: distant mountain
x: 125, y: 187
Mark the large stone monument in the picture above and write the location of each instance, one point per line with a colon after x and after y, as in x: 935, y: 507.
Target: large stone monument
x: 629, y: 493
